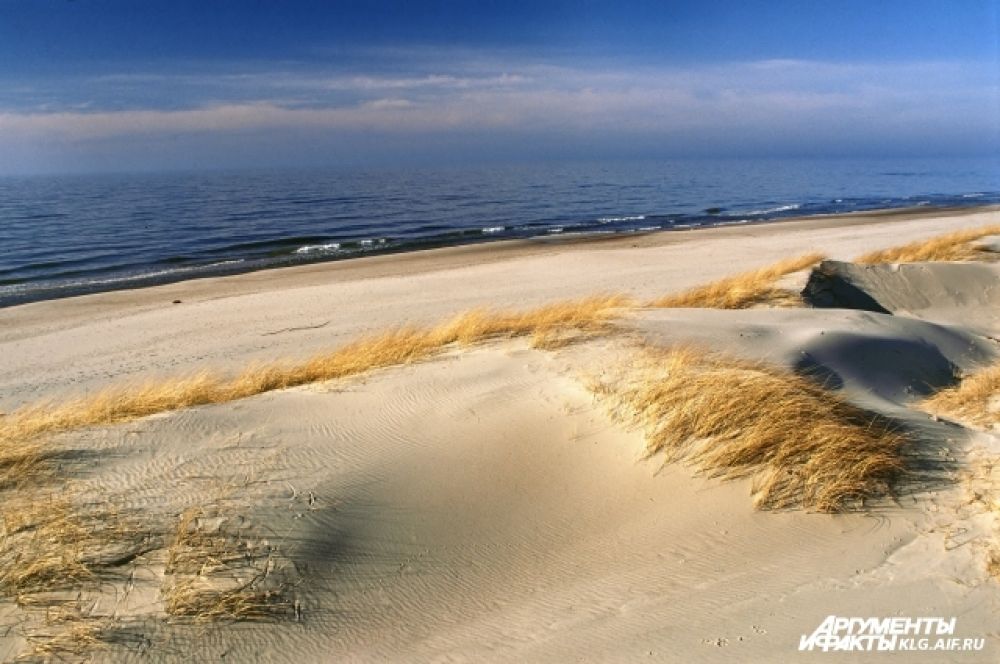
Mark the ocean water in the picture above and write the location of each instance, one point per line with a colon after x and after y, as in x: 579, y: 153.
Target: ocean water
x: 67, y: 235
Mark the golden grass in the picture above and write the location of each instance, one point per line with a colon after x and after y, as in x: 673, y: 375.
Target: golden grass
x: 56, y: 547
x: 68, y: 632
x: 42, y: 546
x: 22, y: 462
x: 399, y: 346
x: 216, y: 573
x: 802, y: 445
x: 203, y: 601
x: 975, y: 400
x: 957, y: 246
x: 744, y: 290
x: 54, y: 544
x: 201, y: 550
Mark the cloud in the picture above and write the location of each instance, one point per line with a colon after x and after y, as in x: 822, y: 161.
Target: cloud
x: 785, y: 102
x: 390, y: 104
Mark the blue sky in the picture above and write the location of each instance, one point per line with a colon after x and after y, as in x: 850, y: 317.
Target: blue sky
x: 89, y: 85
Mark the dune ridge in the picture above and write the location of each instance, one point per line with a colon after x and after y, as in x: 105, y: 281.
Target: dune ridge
x: 548, y: 326
x: 802, y: 445
x: 19, y: 457
x: 755, y: 287
x: 956, y: 246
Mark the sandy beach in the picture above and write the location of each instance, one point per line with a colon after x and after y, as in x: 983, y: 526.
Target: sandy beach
x: 75, y: 344
x: 487, y: 503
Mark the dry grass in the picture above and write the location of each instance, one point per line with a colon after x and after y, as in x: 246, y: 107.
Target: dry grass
x: 741, y: 291
x: 203, y: 601
x: 23, y: 462
x: 213, y: 572
x: 802, y: 445
x: 216, y: 570
x: 975, y: 400
x: 55, y: 544
x: 400, y: 346
x: 42, y: 546
x: 58, y: 547
x: 203, y: 545
x: 958, y: 246
x: 68, y: 632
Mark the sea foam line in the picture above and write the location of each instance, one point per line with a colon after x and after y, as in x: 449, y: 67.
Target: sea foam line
x: 314, y: 248
x: 754, y: 213
x: 609, y: 220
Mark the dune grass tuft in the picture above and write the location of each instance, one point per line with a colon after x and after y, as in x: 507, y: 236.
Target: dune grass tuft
x: 23, y: 462
x: 42, y: 546
x: 975, y: 400
x: 68, y: 632
x: 957, y: 246
x: 399, y: 346
x: 201, y: 601
x: 203, y: 545
x: 217, y: 570
x: 57, y: 544
x: 802, y: 445
x: 741, y: 291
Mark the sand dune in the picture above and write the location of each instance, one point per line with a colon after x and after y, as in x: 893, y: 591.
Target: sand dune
x: 964, y: 294
x: 485, y: 505
x: 882, y: 361
x: 484, y: 508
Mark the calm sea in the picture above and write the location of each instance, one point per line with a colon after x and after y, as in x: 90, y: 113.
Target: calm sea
x: 68, y: 235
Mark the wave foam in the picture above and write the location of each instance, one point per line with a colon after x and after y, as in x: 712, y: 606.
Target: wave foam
x: 757, y: 213
x: 317, y: 248
x: 610, y: 220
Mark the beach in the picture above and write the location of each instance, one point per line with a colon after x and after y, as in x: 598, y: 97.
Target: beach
x: 483, y: 502
x: 74, y: 344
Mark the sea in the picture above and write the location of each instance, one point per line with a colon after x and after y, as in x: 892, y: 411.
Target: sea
x: 73, y: 234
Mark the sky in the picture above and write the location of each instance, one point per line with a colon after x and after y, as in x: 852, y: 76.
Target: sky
x: 129, y: 85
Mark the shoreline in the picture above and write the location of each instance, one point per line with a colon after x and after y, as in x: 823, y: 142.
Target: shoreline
x: 61, y: 347
x: 403, y: 261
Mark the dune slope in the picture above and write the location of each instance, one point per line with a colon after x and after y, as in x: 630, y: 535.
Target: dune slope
x: 485, y: 508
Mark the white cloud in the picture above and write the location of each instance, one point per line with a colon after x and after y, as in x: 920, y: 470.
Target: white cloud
x: 388, y: 104
x: 775, y: 97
